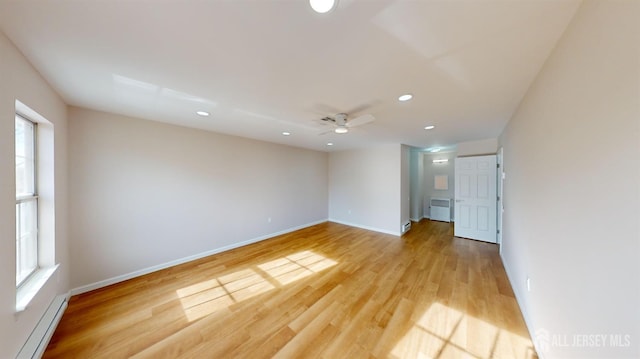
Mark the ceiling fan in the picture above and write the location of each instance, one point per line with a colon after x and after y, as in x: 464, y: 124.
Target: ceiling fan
x: 342, y: 123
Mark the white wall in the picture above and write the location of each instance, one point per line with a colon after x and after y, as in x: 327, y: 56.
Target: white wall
x: 417, y: 185
x: 476, y: 148
x: 365, y: 188
x: 430, y: 171
x: 146, y: 193
x: 405, y: 185
x: 21, y: 82
x: 572, y: 193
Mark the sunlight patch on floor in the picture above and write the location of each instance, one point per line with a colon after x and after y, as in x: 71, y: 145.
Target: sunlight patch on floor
x: 206, y: 297
x: 296, y: 266
x: 444, y: 332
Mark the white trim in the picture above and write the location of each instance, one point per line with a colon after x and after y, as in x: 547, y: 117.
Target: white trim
x: 527, y: 321
x: 41, y: 335
x: 121, y: 278
x: 397, y: 234
x: 415, y: 219
x: 31, y: 286
x: 29, y: 114
x: 429, y: 218
x: 500, y: 190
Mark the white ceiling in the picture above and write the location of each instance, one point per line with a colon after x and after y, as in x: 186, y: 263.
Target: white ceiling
x: 263, y: 67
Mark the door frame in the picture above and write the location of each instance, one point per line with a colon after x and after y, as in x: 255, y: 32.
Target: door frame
x: 500, y: 207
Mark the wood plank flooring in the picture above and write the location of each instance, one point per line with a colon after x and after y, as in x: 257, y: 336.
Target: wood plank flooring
x: 327, y: 291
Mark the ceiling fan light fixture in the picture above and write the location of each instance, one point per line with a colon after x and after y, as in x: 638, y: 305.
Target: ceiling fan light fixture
x: 323, y: 6
x: 430, y: 127
x: 202, y: 113
x: 341, y: 130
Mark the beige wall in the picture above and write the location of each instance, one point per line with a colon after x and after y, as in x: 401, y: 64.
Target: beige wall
x: 405, y: 185
x: 21, y: 82
x: 476, y: 148
x: 147, y: 194
x: 365, y: 188
x: 572, y: 188
x: 430, y: 171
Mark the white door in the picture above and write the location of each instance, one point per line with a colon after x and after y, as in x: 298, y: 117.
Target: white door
x: 475, y: 202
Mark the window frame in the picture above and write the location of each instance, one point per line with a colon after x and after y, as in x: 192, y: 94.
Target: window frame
x: 33, y: 197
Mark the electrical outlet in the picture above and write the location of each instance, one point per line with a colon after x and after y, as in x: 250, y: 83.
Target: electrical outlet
x: 349, y: 211
x: 528, y: 284
x: 269, y: 219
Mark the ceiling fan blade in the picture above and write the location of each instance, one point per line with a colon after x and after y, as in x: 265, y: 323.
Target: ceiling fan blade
x: 360, y: 120
x: 325, y: 132
x: 325, y: 121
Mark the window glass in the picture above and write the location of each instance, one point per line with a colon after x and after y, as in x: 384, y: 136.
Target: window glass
x: 26, y: 200
x: 25, y: 157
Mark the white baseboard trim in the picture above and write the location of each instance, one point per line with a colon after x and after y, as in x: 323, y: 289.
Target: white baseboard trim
x: 415, y: 219
x: 138, y: 273
x: 527, y: 321
x: 427, y: 217
x: 397, y: 234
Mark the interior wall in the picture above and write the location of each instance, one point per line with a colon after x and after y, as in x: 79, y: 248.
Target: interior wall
x: 405, y: 185
x: 417, y: 185
x: 572, y: 193
x: 487, y: 146
x: 146, y: 193
x: 365, y: 188
x: 20, y: 81
x: 430, y: 171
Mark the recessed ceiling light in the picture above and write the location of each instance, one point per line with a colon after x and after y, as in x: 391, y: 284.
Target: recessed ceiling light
x: 322, y: 6
x: 405, y: 97
x: 435, y: 150
x: 430, y: 127
x: 285, y: 133
x: 341, y: 130
x: 329, y: 143
x: 202, y: 113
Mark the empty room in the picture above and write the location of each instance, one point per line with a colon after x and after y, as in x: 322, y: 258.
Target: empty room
x: 320, y: 179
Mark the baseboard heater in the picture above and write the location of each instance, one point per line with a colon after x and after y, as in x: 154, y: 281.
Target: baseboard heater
x: 39, y: 338
x: 406, y: 227
x: 440, y: 209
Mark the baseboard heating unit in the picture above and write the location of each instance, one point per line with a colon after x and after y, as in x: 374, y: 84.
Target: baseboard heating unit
x: 39, y: 338
x: 440, y: 209
x: 406, y: 227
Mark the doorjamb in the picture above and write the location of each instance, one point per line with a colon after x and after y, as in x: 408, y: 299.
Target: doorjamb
x: 500, y: 206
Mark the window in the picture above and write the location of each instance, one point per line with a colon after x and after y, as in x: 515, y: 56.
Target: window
x: 35, y: 204
x: 26, y: 200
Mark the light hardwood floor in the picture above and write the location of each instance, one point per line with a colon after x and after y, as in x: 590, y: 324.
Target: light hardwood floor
x: 328, y: 291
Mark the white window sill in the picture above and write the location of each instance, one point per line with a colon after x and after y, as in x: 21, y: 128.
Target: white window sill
x: 32, y: 286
